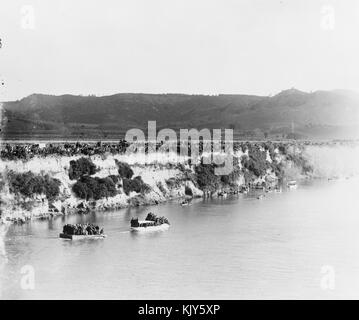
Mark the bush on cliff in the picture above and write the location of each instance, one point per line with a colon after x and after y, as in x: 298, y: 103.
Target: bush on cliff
x: 116, y: 180
x: 206, y: 178
x: 81, y: 167
x: 188, y: 191
x: 232, y: 178
x: 256, y: 162
x: 29, y: 184
x: 173, y: 183
x: 124, y: 169
x: 283, y: 148
x: 136, y: 184
x: 278, y: 169
x: 2, y: 182
x: 94, y: 188
x: 269, y: 146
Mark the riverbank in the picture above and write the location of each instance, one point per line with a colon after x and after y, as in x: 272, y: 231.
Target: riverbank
x: 155, y: 178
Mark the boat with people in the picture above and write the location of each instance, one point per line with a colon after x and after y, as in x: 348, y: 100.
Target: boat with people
x: 185, y: 202
x: 292, y: 184
x: 260, y: 187
x: 151, y: 223
x: 222, y: 194
x: 82, y: 231
x: 244, y: 189
x: 278, y: 190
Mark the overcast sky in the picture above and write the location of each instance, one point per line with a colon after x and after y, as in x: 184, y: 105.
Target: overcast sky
x: 177, y: 46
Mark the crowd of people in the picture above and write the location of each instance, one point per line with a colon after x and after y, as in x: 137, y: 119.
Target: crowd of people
x: 82, y: 229
x: 28, y: 151
x: 12, y: 151
x: 157, y: 220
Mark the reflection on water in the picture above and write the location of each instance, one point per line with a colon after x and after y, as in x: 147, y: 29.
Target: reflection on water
x: 233, y: 248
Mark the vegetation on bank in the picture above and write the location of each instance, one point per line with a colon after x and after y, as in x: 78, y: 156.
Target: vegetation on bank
x: 124, y: 169
x: 87, y: 187
x: 188, y: 191
x: 81, y: 167
x: 206, y: 178
x: 254, y: 164
x: 94, y: 188
x: 29, y: 184
x: 136, y: 184
x: 256, y: 161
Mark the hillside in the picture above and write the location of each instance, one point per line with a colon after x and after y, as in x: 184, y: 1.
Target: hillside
x: 317, y: 115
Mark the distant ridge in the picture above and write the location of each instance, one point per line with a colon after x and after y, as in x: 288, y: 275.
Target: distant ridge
x: 316, y: 115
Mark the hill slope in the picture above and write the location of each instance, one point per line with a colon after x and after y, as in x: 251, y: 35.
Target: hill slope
x: 321, y: 114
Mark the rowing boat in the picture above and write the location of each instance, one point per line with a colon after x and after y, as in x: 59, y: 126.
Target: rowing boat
x: 81, y: 236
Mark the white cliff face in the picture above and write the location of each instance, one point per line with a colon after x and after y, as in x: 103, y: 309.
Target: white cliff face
x: 154, y: 171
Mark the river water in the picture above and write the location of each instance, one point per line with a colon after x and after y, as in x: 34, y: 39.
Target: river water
x: 301, y: 243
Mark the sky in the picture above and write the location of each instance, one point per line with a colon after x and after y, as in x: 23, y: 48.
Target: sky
x: 177, y: 46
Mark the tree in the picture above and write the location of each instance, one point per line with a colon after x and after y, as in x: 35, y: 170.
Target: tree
x: 81, y: 167
x: 188, y: 191
x: 124, y: 170
x: 29, y: 184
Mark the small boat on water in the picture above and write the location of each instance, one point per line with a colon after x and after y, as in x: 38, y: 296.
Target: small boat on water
x: 151, y: 223
x: 278, y: 189
x: 222, y: 194
x: 185, y: 203
x: 260, y: 187
x: 82, y: 231
x: 292, y: 184
x: 80, y: 237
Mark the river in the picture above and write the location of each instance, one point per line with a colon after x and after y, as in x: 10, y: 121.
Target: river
x: 299, y: 244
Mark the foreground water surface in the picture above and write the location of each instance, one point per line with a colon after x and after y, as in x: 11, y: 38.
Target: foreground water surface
x: 302, y: 243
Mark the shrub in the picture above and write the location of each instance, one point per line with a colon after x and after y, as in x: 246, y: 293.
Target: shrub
x: 283, y: 148
x: 231, y: 179
x: 188, y: 191
x: 94, y: 188
x: 171, y: 183
x: 206, y: 178
x: 225, y: 179
x: 161, y: 187
x: 271, y: 149
x: 124, y: 170
x: 81, y: 167
x: 278, y: 169
x: 136, y: 184
x: 2, y: 183
x: 114, y: 178
x: 82, y: 191
x: 29, y: 184
x: 256, y: 162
